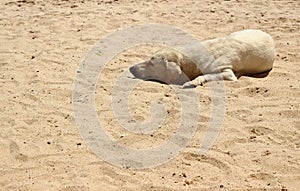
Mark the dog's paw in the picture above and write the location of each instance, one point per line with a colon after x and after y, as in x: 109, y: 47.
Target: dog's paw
x: 188, y: 85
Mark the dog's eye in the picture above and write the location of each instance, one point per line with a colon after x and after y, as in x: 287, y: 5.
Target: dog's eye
x: 152, y: 58
x: 150, y: 63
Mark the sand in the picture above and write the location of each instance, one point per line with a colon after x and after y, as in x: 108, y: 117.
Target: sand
x: 42, y: 44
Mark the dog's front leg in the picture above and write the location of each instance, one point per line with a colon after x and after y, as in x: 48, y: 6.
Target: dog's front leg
x: 226, y: 74
x: 199, y: 81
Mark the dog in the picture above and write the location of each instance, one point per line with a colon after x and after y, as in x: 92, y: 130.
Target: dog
x: 244, y: 53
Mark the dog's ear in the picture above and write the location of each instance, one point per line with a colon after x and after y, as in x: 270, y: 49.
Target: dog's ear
x: 174, y: 71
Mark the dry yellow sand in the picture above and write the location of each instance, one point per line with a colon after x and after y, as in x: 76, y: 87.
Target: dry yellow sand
x: 41, y: 46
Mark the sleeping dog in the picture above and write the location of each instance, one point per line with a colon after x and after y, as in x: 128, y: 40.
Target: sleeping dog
x: 243, y: 53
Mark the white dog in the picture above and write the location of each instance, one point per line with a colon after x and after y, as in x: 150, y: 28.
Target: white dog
x: 248, y: 52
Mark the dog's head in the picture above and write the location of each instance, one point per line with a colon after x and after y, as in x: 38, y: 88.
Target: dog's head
x: 157, y: 68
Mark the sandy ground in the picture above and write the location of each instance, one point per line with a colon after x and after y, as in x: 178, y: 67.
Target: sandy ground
x: 42, y: 44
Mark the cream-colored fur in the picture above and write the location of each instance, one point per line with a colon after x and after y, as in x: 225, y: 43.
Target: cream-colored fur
x: 248, y: 52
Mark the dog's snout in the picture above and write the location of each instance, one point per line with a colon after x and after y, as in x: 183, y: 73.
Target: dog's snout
x: 140, y: 70
x: 132, y: 69
x: 135, y: 71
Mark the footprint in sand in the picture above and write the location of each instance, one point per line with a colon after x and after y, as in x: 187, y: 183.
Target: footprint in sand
x: 14, y: 151
x: 205, y: 159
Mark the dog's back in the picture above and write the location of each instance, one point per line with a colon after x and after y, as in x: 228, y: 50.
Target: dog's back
x: 247, y: 52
